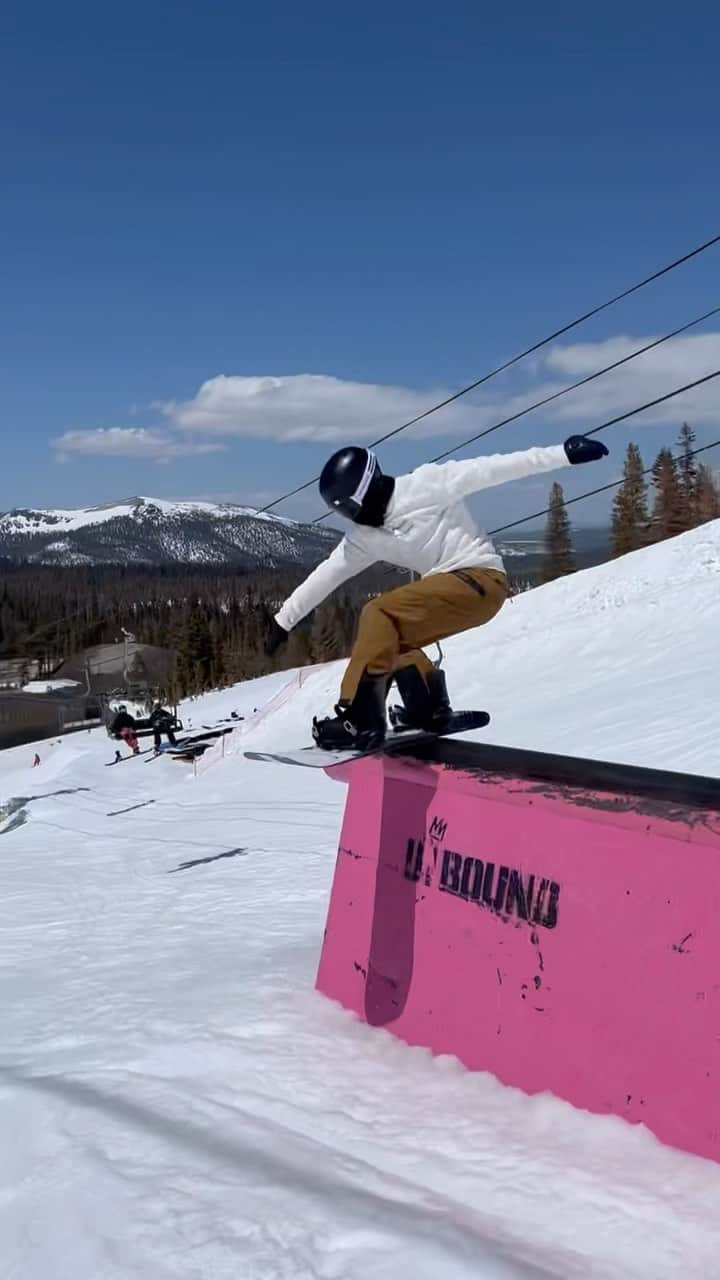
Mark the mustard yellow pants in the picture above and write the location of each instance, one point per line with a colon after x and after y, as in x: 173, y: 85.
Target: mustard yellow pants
x: 394, y: 627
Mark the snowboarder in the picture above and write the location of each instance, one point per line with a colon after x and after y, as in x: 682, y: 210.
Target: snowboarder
x: 162, y: 721
x: 416, y: 521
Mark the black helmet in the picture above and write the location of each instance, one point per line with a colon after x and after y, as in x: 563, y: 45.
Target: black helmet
x: 348, y: 478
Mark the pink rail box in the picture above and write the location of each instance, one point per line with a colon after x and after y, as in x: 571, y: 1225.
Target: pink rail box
x: 550, y: 920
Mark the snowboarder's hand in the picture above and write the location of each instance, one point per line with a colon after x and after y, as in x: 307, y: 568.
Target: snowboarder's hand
x: 581, y: 449
x: 278, y: 635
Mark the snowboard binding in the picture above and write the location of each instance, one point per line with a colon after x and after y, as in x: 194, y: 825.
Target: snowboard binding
x: 358, y: 725
x: 426, y: 704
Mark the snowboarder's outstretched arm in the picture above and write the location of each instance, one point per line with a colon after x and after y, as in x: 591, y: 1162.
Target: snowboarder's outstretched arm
x: 453, y: 481
x: 344, y: 562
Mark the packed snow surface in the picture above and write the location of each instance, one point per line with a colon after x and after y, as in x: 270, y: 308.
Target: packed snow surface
x: 177, y: 1101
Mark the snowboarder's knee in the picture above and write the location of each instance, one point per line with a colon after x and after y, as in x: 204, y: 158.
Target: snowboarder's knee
x: 370, y: 609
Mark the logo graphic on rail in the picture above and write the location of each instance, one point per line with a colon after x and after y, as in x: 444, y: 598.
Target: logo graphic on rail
x: 505, y: 891
x: 438, y: 827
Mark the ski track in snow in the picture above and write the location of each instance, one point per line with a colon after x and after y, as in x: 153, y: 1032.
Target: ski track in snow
x: 176, y: 1099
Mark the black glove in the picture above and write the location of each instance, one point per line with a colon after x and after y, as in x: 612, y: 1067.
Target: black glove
x: 581, y: 449
x: 278, y: 635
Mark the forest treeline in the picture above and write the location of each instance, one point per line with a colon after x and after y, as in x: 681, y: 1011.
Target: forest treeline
x: 217, y: 620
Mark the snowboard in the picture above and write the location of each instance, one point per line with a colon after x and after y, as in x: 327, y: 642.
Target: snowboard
x: 394, y: 744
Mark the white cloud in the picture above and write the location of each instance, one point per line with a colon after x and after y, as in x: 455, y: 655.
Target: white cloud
x: 129, y: 442
x: 316, y: 407
x: 307, y: 407
x: 653, y: 374
x: 325, y: 409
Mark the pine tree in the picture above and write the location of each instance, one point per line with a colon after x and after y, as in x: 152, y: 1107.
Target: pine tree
x: 629, y: 529
x: 218, y: 669
x: 559, y: 559
x: 348, y: 614
x: 687, y: 477
x: 298, y: 650
x: 194, y: 652
x: 327, y: 639
x: 707, y: 495
x: 667, y: 516
x: 9, y: 627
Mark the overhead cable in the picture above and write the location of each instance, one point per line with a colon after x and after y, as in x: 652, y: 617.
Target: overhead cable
x: 582, y: 382
x: 508, y: 364
x: 611, y: 422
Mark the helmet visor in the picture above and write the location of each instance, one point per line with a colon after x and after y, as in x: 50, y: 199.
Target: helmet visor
x: 348, y: 507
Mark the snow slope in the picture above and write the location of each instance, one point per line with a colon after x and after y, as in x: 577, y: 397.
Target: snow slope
x: 176, y: 1101
x: 618, y: 662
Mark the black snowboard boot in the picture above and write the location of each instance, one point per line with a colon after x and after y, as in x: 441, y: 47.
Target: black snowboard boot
x: 358, y: 725
x: 425, y: 701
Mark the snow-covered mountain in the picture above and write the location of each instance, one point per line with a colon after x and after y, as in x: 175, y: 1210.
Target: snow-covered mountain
x: 155, y: 531
x: 176, y: 1101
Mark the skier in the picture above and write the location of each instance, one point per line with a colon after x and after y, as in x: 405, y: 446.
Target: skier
x: 162, y: 721
x: 123, y: 726
x: 416, y: 521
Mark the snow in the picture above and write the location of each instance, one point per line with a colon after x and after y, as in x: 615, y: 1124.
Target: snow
x: 49, y: 686
x: 177, y: 1101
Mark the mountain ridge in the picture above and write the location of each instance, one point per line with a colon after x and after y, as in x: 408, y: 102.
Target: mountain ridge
x: 144, y: 530
x: 161, y: 532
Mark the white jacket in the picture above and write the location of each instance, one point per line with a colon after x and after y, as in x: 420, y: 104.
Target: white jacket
x: 427, y: 527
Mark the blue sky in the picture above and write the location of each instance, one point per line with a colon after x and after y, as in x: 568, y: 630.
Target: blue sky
x: 388, y: 197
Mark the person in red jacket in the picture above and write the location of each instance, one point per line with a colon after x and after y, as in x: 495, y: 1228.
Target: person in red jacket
x: 123, y: 726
